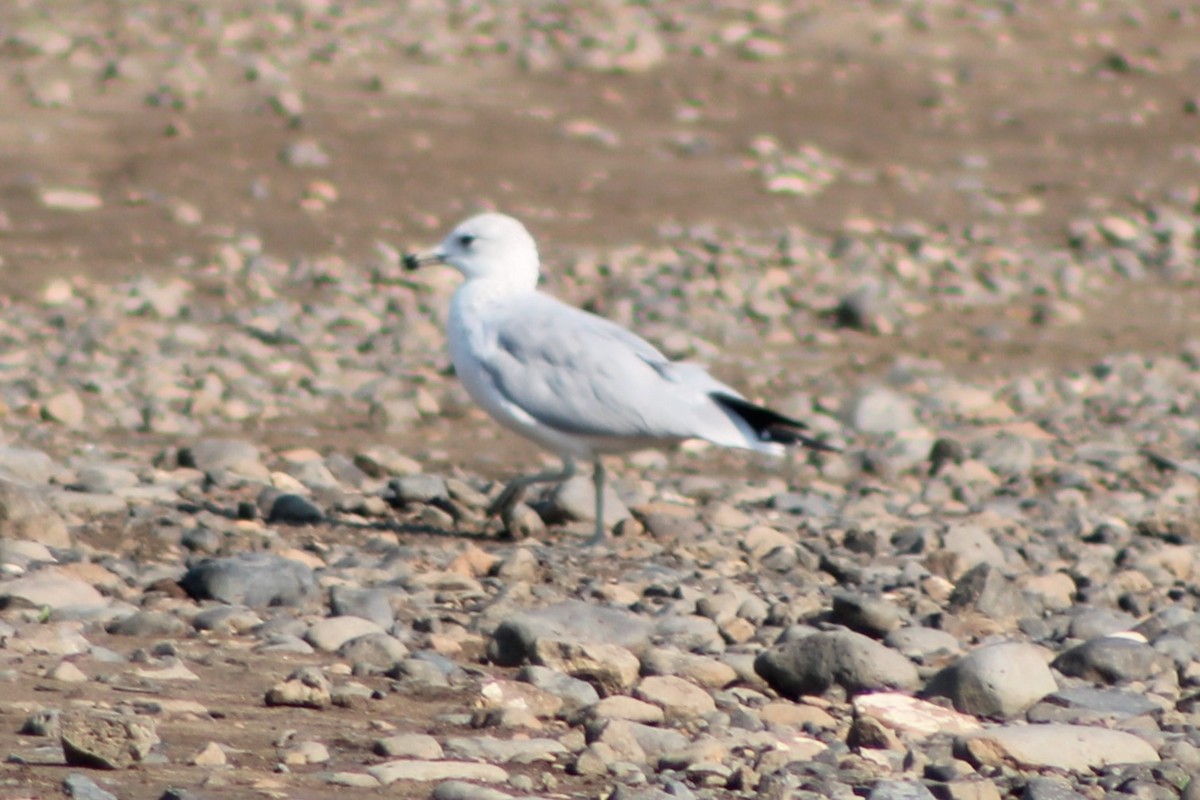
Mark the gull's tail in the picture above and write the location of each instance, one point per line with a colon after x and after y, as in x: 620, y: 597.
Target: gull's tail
x: 769, y: 426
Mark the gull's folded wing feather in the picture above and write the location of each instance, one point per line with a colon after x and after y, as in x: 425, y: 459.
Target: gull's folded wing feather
x: 584, y: 375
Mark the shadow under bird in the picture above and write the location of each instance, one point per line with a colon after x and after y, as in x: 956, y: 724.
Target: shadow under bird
x: 577, y: 384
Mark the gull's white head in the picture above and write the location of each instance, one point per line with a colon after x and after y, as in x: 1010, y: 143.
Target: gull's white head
x: 488, y: 246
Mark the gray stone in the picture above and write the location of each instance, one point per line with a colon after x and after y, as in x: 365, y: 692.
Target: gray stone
x: 234, y: 455
x: 64, y: 407
x: 251, y: 579
x: 372, y: 604
x: 304, y: 153
x: 87, y: 504
x: 409, y: 745
x: 44, y: 722
x: 25, y: 514
x: 863, y: 309
x: 504, y: 751
x: 24, y: 465
x: 1111, y: 659
x: 575, y: 500
x: 576, y: 694
x: 997, y: 680
x: 1089, y: 623
x: 81, y: 787
x: 374, y: 650
x: 514, y: 640
x: 417, y: 672
x: 147, y: 623
x: 611, y: 669
x: 418, y: 770
x: 226, y: 619
x: 50, y: 588
x: 812, y: 664
x: 332, y: 632
x: 928, y: 646
x: 628, y: 708
x: 104, y: 479
x: 870, y: 615
x: 899, y: 790
x: 421, y: 488
x: 985, y: 590
x: 633, y: 741
x: 1090, y: 705
x: 462, y: 790
x: 306, y: 687
x: 1050, y: 789
x: 295, y: 509
x: 1005, y: 453
x: 678, y: 698
x: 700, y: 669
x: 520, y: 565
x: 106, y: 740
x: 881, y: 411
x: 1073, y: 748
x: 968, y: 546
x: 690, y: 632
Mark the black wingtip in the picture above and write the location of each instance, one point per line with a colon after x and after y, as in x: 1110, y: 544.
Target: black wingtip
x: 771, y: 426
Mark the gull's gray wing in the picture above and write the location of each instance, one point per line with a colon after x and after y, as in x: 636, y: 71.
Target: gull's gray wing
x: 584, y: 375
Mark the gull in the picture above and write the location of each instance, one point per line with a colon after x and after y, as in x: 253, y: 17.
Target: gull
x: 577, y: 384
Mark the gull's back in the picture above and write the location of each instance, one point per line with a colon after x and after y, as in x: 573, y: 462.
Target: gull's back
x: 535, y: 362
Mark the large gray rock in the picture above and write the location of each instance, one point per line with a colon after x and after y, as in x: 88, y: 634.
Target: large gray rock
x: 251, y: 579
x: 492, y: 749
x: 81, y: 787
x: 872, y: 616
x: 50, y: 588
x: 1111, y: 659
x: 611, y: 669
x: 985, y: 590
x: 372, y: 604
x: 1090, y: 705
x: 1072, y: 748
x: 416, y: 770
x: 998, y: 680
x: 812, y: 664
x: 106, y: 740
x: 233, y: 455
x: 575, y: 500
x: 331, y: 633
x: 514, y: 640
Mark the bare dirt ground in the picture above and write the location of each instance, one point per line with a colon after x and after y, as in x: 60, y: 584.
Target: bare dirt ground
x: 1057, y: 112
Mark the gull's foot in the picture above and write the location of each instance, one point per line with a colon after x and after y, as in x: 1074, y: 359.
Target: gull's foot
x: 600, y: 537
x: 505, y: 502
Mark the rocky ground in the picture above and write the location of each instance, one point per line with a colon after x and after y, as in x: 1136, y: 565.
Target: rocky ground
x: 243, y: 542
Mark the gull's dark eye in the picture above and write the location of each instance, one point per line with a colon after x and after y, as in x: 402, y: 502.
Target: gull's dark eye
x: 466, y: 239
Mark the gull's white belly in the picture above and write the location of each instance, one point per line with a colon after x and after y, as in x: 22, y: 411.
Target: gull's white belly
x: 467, y: 339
